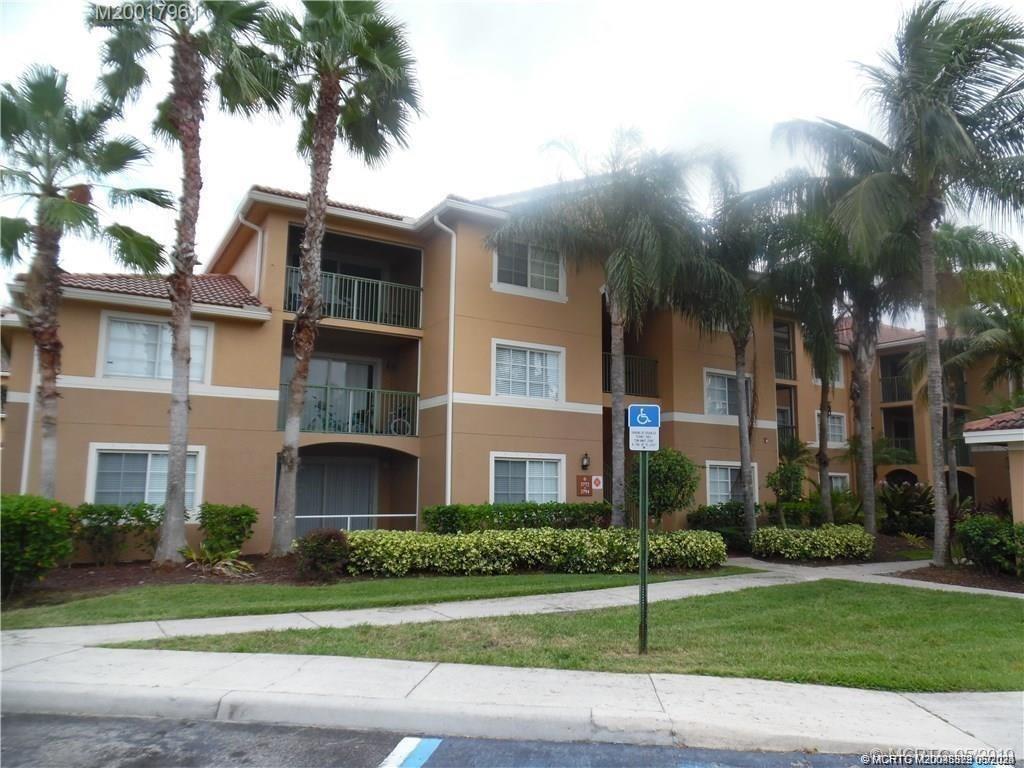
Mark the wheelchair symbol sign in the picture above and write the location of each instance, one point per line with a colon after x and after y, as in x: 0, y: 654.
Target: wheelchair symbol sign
x: 645, y: 416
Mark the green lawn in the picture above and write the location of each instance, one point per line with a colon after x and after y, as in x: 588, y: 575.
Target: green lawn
x: 191, y: 601
x: 915, y: 554
x: 830, y: 632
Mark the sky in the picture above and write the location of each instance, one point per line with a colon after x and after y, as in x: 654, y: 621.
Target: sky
x: 502, y: 81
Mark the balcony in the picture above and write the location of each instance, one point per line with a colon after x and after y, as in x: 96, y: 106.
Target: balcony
x: 963, y: 453
x: 903, y: 444
x: 785, y: 365
x: 896, y: 389
x: 641, y: 375
x: 360, y: 299
x: 352, y: 411
x: 787, y: 434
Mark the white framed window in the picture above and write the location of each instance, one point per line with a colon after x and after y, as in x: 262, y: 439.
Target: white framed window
x: 527, y: 371
x: 529, y: 270
x: 139, y: 347
x: 724, y: 484
x: 519, y: 477
x: 836, y: 429
x: 130, y: 473
x: 837, y: 379
x: 720, y: 395
x: 840, y: 481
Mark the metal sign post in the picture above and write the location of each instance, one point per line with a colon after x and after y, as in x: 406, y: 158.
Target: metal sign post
x: 644, y: 437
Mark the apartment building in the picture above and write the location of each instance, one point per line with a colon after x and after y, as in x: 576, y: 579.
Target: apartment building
x: 444, y: 371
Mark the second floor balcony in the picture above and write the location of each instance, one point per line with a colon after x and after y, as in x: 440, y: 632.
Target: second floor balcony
x: 641, y: 375
x: 360, y: 299
x: 896, y: 389
x: 355, y: 411
x: 785, y: 364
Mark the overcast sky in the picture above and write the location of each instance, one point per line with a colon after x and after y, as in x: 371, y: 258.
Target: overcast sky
x: 500, y: 81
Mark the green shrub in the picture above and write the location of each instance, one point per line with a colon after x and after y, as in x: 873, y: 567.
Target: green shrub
x: 992, y: 543
x: 907, y: 508
x: 725, y: 518
x: 795, y: 514
x: 226, y: 527
x: 322, y: 555
x: 397, y: 553
x: 672, y: 481
x: 106, y: 529
x: 463, y: 518
x: 787, y: 481
x: 35, y: 535
x: 829, y: 542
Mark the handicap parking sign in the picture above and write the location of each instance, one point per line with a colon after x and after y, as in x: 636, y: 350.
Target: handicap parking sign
x: 644, y: 427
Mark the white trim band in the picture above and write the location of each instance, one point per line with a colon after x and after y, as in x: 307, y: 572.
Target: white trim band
x: 714, y: 418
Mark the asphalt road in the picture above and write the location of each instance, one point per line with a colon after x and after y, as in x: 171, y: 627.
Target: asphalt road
x: 55, y: 741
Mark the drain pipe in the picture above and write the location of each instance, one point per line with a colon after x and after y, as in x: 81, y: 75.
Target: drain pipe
x: 259, y: 251
x: 451, y: 363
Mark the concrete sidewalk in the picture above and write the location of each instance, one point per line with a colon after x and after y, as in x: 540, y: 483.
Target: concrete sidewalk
x: 52, y: 670
x: 501, y: 702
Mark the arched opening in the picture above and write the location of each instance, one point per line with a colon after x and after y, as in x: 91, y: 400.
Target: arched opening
x: 900, y: 476
x: 965, y: 482
x: 355, y: 487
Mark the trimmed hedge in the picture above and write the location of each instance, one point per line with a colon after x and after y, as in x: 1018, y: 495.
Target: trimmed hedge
x: 107, y: 529
x: 993, y: 544
x: 726, y: 519
x: 830, y: 542
x: 322, y: 555
x: 36, y: 536
x: 397, y: 553
x: 226, y: 526
x: 464, y: 518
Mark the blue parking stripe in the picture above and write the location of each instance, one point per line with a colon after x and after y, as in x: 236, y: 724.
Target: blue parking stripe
x: 419, y: 756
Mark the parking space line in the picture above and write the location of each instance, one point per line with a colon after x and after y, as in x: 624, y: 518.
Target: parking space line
x: 410, y: 752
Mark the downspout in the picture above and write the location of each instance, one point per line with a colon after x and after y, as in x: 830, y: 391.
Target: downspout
x: 259, y: 251
x: 451, y: 363
x: 26, y: 455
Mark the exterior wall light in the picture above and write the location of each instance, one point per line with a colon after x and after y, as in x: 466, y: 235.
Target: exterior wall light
x: 585, y: 461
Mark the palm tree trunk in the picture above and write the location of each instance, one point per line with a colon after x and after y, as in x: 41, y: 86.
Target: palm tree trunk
x: 864, y: 363
x: 739, y: 343
x: 42, y: 300
x: 951, y: 464
x: 925, y: 236
x: 307, y: 316
x: 824, y: 481
x: 618, y: 387
x: 187, y: 117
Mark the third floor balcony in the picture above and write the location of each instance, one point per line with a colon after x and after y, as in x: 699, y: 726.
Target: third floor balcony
x: 361, y: 299
x: 897, y: 389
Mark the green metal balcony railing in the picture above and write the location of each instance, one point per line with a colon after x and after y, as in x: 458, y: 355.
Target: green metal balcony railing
x: 641, y: 375
x: 352, y: 411
x: 361, y: 299
x: 787, y: 434
x: 785, y: 364
x: 896, y: 389
x: 904, y: 444
x: 963, y: 454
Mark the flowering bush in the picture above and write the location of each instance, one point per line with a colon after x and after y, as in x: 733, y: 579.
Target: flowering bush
x: 397, y: 553
x: 36, y: 536
x: 829, y: 542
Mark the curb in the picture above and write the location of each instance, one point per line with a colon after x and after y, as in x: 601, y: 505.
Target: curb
x: 556, y: 724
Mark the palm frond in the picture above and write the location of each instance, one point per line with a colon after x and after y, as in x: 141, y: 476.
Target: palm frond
x: 124, y: 197
x: 133, y: 249
x: 15, y: 234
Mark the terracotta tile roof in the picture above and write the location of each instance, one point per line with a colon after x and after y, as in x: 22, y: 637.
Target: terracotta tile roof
x: 221, y: 290
x: 332, y: 203
x: 887, y: 334
x: 1008, y: 420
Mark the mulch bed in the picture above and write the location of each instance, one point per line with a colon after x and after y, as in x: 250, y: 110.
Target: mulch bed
x: 964, y: 576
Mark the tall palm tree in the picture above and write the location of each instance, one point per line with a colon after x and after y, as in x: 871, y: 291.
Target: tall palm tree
x: 208, y: 43
x: 350, y: 76
x: 732, y: 241
x: 633, y: 219
x: 56, y: 155
x: 949, y: 95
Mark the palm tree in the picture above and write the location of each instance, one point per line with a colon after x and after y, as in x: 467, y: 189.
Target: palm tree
x: 57, y: 154
x: 732, y: 241
x: 350, y: 76
x: 206, y: 42
x: 883, y: 453
x: 632, y: 218
x: 949, y: 95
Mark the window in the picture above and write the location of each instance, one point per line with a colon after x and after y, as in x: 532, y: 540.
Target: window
x: 538, y: 480
x: 720, y: 394
x: 142, y: 349
x: 130, y: 477
x: 837, y: 378
x: 530, y: 267
x: 836, y: 428
x: 525, y: 372
x: 840, y: 482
